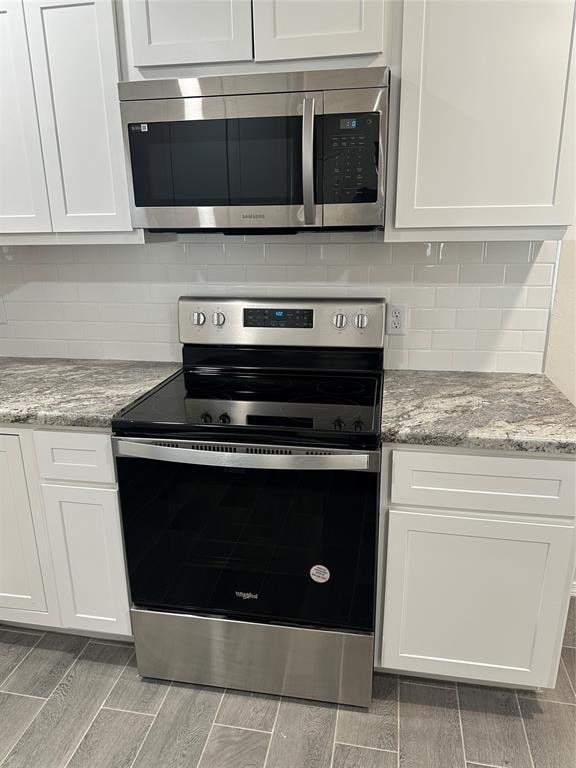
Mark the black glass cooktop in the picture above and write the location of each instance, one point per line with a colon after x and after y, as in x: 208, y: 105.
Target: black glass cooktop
x: 226, y: 403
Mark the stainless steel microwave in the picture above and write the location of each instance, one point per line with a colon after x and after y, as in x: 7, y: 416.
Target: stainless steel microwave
x: 285, y: 151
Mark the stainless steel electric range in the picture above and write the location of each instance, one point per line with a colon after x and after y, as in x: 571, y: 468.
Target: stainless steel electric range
x: 249, y: 487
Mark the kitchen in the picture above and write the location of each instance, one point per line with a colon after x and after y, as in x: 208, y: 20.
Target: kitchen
x: 287, y: 371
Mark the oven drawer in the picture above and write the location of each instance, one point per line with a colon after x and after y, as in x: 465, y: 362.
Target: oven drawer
x: 489, y: 483
x: 75, y: 456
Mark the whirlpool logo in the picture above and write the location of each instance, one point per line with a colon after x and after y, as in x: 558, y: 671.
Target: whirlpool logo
x: 246, y: 595
x: 253, y: 216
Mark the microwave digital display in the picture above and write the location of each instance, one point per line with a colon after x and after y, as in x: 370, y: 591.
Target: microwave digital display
x: 349, y: 122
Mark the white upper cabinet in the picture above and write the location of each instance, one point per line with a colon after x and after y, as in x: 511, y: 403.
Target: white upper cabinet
x: 23, y: 194
x: 74, y: 64
x: 300, y: 29
x: 21, y: 586
x: 190, y: 31
x: 487, y: 114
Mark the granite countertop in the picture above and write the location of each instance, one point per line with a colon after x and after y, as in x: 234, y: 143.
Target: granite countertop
x: 511, y: 411
x: 73, y: 393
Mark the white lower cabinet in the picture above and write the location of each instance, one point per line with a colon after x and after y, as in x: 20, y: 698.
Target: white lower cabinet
x: 86, y: 543
x: 21, y: 585
x: 475, y: 597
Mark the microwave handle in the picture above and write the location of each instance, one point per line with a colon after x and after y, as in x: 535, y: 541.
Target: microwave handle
x: 308, y: 160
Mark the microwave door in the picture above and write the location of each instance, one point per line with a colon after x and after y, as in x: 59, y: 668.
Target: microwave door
x: 230, y: 162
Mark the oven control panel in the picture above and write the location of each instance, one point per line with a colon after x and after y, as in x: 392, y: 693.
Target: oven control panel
x: 283, y: 322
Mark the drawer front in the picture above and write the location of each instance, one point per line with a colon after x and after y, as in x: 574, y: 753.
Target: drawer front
x: 75, y: 456
x: 489, y: 483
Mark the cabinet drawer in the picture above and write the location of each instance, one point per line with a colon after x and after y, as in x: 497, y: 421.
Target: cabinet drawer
x: 75, y: 456
x: 489, y: 483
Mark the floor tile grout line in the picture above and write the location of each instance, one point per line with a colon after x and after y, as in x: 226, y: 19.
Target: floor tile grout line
x: 25, y: 695
x: 334, y: 738
x: 363, y: 746
x: 485, y: 765
x: 211, y: 729
x: 548, y: 701
x: 524, y: 729
x: 398, y: 716
x: 127, y: 711
x: 117, y: 681
x: 562, y: 664
x: 240, y: 727
x: 151, y: 725
x: 429, y: 685
x: 461, y: 726
x: 272, y: 732
x: 74, y: 662
x: 98, y: 711
x: 22, y: 660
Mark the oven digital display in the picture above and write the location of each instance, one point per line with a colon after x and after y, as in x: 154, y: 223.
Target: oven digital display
x: 278, y: 318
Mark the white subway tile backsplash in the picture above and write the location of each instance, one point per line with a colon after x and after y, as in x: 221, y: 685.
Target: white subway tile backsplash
x: 471, y: 306
x: 478, y: 318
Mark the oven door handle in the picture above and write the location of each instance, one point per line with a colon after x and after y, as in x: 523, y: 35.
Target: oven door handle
x: 357, y: 462
x: 308, y: 160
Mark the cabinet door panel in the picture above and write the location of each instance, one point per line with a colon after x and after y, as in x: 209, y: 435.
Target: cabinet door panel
x: 289, y: 29
x: 176, y: 32
x: 21, y: 584
x: 486, y: 130
x: 476, y: 598
x: 74, y: 62
x: 86, y: 542
x: 23, y: 193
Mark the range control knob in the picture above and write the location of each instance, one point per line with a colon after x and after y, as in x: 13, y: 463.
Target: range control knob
x: 198, y: 318
x: 358, y: 425
x: 218, y: 319
x: 361, y: 320
x: 339, y: 320
x: 205, y: 418
x: 339, y: 425
x: 224, y: 418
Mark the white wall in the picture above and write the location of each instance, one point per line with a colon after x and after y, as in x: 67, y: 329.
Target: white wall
x: 473, y: 306
x: 561, y: 354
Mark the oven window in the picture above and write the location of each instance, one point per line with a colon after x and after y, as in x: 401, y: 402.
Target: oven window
x: 248, y: 161
x: 296, y: 547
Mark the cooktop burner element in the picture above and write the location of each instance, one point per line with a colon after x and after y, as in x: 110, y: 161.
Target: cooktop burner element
x: 320, y: 383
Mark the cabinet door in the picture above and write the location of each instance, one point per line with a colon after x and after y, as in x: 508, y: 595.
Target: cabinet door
x: 23, y: 194
x: 476, y: 598
x: 177, y: 32
x: 486, y: 119
x: 86, y: 541
x: 75, y: 68
x: 21, y: 584
x: 284, y: 29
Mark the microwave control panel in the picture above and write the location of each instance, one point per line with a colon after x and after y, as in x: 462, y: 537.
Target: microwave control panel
x: 351, y: 158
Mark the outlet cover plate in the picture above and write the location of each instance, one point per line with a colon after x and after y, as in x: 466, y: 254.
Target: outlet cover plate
x: 396, y: 319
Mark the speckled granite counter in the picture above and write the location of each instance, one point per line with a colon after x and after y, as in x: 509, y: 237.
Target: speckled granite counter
x: 512, y: 411
x: 73, y: 393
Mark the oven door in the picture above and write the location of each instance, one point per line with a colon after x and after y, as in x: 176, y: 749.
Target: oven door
x: 224, y: 162
x: 269, y: 535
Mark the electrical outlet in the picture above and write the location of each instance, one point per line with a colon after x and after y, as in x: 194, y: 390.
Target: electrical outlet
x: 396, y: 319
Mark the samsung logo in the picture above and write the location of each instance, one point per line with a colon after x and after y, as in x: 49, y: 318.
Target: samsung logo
x: 253, y: 216
x: 246, y: 595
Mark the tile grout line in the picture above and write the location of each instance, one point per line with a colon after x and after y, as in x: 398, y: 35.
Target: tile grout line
x: 241, y: 728
x: 461, y: 726
x: 211, y: 729
x: 334, y: 737
x: 272, y: 732
x: 128, y: 711
x: 364, y: 746
x: 150, y: 726
x: 524, y: 729
x: 5, y: 680
x: 568, y: 676
x: 429, y: 685
x: 98, y: 711
x: 46, y: 701
x: 25, y: 695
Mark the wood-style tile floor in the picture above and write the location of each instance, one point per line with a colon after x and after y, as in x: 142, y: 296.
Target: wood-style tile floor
x: 67, y: 702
